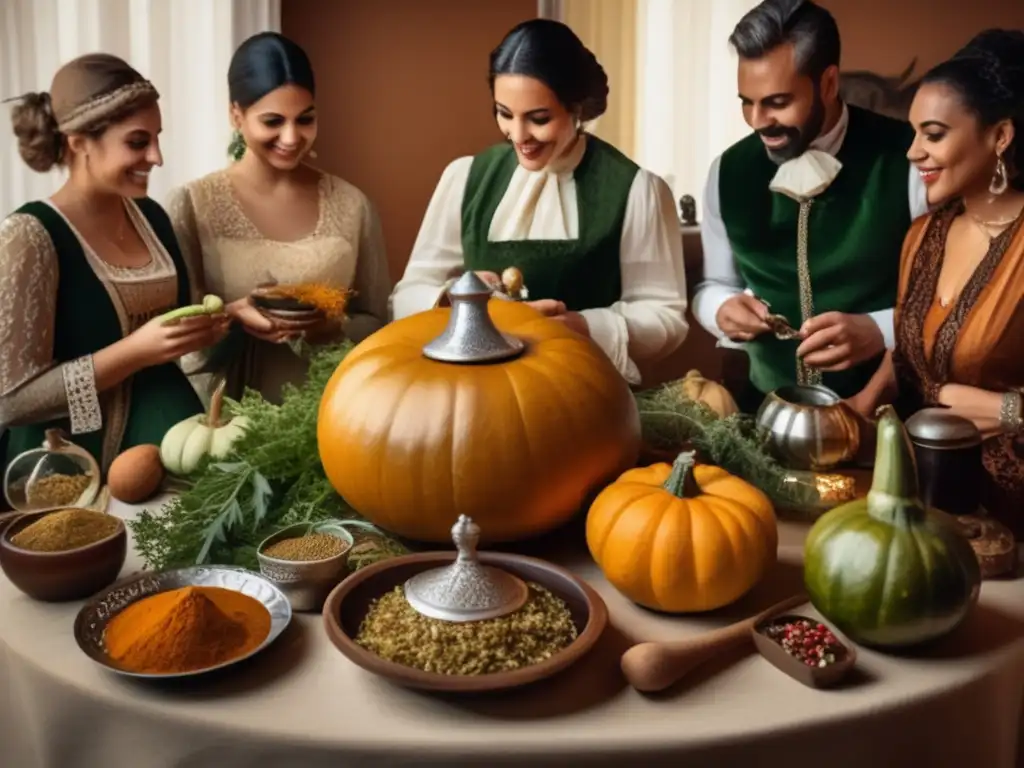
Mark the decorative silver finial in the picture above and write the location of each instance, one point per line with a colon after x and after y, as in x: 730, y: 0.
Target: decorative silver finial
x: 466, y: 590
x: 471, y: 336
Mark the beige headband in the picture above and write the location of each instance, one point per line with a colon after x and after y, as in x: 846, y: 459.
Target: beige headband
x: 105, y: 104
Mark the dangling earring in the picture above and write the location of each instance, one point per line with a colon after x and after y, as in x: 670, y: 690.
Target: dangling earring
x: 999, y: 182
x: 236, y: 149
x: 508, y: 137
x: 312, y: 154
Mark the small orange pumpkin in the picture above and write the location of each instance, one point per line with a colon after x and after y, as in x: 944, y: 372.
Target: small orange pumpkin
x: 682, y: 538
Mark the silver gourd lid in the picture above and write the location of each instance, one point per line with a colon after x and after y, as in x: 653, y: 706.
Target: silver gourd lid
x: 938, y: 428
x: 466, y: 590
x: 471, y: 336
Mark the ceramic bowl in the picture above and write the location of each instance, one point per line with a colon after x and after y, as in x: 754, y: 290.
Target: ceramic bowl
x: 283, y: 308
x: 306, y: 583
x: 348, y: 604
x: 62, y: 576
x: 809, y: 427
x: 815, y: 677
x: 92, y: 620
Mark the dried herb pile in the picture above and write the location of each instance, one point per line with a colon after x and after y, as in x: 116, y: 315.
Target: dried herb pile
x: 272, y: 479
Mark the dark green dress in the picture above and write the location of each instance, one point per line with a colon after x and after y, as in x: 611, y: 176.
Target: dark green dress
x: 584, y: 273
x: 141, y: 409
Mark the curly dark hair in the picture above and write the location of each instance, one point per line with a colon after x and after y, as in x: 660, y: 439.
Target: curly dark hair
x: 988, y: 75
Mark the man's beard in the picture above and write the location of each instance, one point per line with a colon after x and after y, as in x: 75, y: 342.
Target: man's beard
x: 800, y: 138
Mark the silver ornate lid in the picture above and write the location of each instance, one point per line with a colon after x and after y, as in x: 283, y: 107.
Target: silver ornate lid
x: 938, y: 428
x: 471, y: 336
x: 466, y: 590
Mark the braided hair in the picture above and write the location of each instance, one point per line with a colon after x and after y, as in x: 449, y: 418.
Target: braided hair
x: 988, y: 75
x: 551, y: 52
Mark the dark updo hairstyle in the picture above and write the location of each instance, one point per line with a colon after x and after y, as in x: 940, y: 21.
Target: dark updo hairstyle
x: 264, y: 63
x: 988, y: 75
x: 87, y: 96
x: 550, y: 52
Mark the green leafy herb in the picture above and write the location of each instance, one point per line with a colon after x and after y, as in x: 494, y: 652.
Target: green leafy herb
x: 671, y: 421
x: 272, y: 479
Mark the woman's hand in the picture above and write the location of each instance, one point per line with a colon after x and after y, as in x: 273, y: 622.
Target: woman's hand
x: 978, y: 405
x: 158, y: 342
x: 574, y: 321
x: 261, y: 327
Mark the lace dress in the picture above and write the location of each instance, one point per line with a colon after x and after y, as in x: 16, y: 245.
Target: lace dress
x: 230, y: 257
x: 59, y: 303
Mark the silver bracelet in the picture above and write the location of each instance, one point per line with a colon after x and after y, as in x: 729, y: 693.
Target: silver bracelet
x: 1011, y: 415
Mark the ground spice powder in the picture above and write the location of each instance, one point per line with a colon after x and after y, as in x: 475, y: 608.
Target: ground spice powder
x: 64, y: 530
x: 185, y: 630
x: 312, y: 547
x: 395, y: 631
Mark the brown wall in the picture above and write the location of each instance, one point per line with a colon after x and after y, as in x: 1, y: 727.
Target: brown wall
x: 884, y: 35
x: 402, y: 91
x: 402, y: 87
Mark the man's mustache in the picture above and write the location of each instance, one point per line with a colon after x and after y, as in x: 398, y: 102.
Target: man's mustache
x: 778, y: 131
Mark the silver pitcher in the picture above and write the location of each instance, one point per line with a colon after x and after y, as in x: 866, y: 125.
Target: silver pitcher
x: 809, y: 427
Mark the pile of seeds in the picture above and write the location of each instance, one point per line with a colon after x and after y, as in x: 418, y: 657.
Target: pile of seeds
x: 64, y: 530
x: 393, y: 630
x: 314, y: 546
x: 812, y: 643
x: 56, y: 490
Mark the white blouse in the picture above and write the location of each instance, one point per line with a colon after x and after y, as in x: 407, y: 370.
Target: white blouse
x: 647, y: 323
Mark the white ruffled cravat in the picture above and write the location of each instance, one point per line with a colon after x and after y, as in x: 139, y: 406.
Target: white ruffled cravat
x: 806, y: 176
x: 540, y: 205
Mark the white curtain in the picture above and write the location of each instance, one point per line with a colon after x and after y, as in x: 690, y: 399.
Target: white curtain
x: 182, y: 46
x: 688, y: 110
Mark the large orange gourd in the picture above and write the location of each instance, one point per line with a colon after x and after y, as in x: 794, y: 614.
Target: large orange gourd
x: 486, y: 409
x: 682, y: 538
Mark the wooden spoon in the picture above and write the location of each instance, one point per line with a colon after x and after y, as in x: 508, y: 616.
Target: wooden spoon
x: 651, y: 667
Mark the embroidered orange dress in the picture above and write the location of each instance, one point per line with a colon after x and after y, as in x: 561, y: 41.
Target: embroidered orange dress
x: 977, y: 341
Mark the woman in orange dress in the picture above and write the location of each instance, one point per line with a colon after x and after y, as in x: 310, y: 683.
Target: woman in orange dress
x: 959, y: 317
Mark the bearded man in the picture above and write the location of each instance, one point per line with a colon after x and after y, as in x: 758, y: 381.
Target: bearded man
x: 804, y: 219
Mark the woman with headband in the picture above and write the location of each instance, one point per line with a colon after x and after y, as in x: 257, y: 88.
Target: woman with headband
x: 86, y: 274
x: 595, y: 237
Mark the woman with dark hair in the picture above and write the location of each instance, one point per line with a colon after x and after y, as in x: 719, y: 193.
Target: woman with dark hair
x: 595, y: 236
x: 85, y: 274
x: 270, y: 216
x: 960, y: 315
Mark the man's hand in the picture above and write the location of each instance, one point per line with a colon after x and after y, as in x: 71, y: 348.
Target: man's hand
x: 836, y: 341
x: 742, y: 317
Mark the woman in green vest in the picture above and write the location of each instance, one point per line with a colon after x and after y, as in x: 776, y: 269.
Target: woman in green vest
x: 595, y: 236
x: 85, y: 274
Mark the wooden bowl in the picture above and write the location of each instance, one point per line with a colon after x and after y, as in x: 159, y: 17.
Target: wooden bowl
x: 813, y: 677
x: 62, y: 576
x: 349, y: 602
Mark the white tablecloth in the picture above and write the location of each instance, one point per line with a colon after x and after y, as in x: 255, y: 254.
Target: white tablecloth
x: 301, y: 704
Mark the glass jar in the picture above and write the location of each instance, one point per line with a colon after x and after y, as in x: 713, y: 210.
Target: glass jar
x: 948, y: 453
x: 56, y: 475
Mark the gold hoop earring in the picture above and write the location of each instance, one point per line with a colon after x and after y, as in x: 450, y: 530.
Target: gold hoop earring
x: 1000, y: 181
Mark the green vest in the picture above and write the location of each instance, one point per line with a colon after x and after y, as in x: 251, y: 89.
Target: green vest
x: 86, y: 322
x: 855, y: 234
x: 583, y: 273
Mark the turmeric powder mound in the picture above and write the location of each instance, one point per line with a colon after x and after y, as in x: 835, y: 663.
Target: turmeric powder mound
x: 185, y: 630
